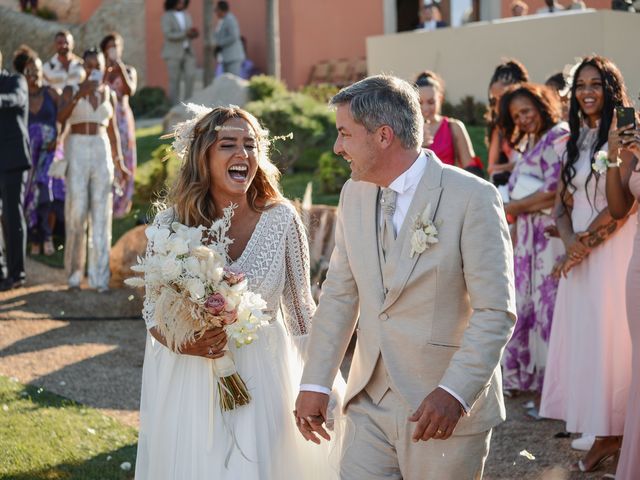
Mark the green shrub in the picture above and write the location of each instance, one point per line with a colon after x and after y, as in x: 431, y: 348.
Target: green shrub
x: 322, y: 92
x: 153, y: 177
x: 310, y: 121
x: 467, y: 110
x: 332, y: 172
x: 262, y: 87
x: 150, y: 102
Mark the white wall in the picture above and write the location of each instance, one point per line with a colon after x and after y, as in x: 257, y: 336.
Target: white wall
x: 466, y: 56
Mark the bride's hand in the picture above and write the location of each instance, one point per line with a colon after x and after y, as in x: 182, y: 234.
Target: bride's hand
x: 210, y: 345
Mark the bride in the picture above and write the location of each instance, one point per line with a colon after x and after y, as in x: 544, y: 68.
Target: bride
x: 183, y: 432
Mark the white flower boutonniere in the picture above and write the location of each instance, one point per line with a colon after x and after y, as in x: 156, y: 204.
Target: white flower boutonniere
x: 425, y: 232
x: 601, y: 162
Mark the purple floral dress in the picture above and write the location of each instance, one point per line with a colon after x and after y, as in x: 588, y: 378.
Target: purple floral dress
x: 534, y: 255
x: 123, y: 191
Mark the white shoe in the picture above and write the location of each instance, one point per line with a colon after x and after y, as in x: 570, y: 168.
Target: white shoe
x: 584, y: 443
x: 74, y: 279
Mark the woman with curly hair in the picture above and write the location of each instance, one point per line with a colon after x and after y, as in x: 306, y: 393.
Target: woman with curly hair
x: 588, y: 374
x: 530, y: 121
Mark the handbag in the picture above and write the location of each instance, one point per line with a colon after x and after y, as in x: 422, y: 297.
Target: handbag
x: 58, y: 169
x: 527, y: 185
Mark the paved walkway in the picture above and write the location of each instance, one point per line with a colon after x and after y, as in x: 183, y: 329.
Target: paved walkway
x: 86, y: 346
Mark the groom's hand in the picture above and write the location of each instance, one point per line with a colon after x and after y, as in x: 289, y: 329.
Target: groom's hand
x: 437, y: 416
x: 310, y: 413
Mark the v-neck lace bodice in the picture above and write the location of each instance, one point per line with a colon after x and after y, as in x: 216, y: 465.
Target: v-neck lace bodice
x: 276, y: 263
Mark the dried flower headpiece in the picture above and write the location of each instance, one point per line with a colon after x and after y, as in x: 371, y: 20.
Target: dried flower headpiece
x: 183, y: 132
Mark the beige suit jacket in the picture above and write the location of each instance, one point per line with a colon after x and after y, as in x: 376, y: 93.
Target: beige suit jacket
x: 174, y: 35
x: 449, y: 311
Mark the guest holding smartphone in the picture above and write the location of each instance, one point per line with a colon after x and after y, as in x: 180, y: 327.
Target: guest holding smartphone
x: 123, y: 80
x: 588, y: 371
x: 623, y: 191
x: 92, y: 150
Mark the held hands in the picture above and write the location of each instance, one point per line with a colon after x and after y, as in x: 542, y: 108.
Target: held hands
x: 210, y: 345
x: 577, y: 250
x: 437, y: 416
x: 310, y: 414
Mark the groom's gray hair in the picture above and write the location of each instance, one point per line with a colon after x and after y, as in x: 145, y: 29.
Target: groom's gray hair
x: 385, y: 100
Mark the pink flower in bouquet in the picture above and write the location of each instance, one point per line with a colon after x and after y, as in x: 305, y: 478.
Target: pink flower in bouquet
x: 215, y: 304
x: 229, y: 317
x: 233, y: 276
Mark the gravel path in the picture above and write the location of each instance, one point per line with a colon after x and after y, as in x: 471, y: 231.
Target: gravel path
x: 89, y: 347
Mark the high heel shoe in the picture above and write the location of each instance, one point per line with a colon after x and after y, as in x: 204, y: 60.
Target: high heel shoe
x: 579, y: 466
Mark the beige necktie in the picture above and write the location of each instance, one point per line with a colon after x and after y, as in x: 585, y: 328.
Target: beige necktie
x: 387, y: 208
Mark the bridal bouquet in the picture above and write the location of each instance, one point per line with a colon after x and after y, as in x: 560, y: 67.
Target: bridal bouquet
x: 197, y: 290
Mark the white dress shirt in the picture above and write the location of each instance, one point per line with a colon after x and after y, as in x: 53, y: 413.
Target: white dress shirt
x: 58, y: 77
x: 182, y: 21
x: 405, y: 185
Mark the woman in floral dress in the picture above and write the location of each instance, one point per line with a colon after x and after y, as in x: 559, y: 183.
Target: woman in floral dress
x: 123, y: 80
x: 529, y: 116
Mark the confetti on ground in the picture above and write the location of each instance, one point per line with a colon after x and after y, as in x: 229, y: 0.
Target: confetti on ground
x: 527, y: 455
x: 126, y: 466
x: 91, y: 431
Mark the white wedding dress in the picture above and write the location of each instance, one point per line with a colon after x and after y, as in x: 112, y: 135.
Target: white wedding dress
x: 183, y: 432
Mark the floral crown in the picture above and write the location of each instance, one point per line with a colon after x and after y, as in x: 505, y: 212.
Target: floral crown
x: 183, y: 132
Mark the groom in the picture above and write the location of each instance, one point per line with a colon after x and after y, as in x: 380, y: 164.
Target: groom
x: 423, y: 266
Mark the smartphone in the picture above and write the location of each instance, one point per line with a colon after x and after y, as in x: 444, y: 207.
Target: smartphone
x: 626, y: 117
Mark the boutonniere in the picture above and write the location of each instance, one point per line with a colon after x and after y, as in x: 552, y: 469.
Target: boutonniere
x: 425, y: 232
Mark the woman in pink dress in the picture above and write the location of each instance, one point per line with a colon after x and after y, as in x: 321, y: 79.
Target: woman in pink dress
x: 587, y: 377
x: 122, y: 79
x: 446, y: 137
x: 623, y: 190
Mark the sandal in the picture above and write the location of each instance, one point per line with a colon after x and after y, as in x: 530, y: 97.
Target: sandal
x: 49, y: 248
x: 580, y: 465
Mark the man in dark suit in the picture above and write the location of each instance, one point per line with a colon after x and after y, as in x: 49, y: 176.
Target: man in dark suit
x: 15, y: 162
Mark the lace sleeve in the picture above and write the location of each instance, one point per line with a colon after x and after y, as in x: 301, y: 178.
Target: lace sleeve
x: 150, y: 295
x: 297, y: 299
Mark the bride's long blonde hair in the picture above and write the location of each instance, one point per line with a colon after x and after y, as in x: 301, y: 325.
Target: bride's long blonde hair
x: 190, y: 194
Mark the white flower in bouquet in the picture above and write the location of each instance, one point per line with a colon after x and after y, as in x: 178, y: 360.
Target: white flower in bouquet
x: 198, y: 290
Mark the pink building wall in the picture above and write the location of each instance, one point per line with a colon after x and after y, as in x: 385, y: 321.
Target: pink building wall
x: 313, y: 31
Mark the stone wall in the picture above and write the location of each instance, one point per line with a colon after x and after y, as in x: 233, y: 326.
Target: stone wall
x: 125, y: 16
x: 67, y: 11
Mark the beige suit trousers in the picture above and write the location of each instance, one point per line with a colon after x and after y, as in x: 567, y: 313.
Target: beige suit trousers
x: 378, y: 445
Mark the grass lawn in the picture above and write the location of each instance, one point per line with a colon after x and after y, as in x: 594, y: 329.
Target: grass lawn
x: 45, y: 436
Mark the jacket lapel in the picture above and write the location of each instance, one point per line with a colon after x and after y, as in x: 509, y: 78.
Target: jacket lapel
x: 369, y: 235
x: 427, y: 192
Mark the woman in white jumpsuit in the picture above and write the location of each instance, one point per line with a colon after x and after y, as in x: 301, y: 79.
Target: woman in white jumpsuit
x: 92, y: 149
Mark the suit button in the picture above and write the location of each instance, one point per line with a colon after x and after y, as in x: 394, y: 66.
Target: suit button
x: 383, y: 316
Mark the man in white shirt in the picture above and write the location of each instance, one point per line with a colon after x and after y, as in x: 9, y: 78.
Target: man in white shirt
x: 423, y: 265
x: 64, y: 68
x: 177, y: 53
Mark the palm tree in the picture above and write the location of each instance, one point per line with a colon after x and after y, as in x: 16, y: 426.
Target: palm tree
x: 273, y: 37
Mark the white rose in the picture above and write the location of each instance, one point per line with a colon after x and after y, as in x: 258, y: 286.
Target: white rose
x: 419, y: 241
x: 171, y: 269
x: 201, y: 252
x: 192, y: 266
x: 195, y: 288
x: 178, y: 245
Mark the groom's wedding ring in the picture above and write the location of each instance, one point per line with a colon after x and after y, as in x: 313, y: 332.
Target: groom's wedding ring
x: 439, y: 432
x: 210, y: 351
